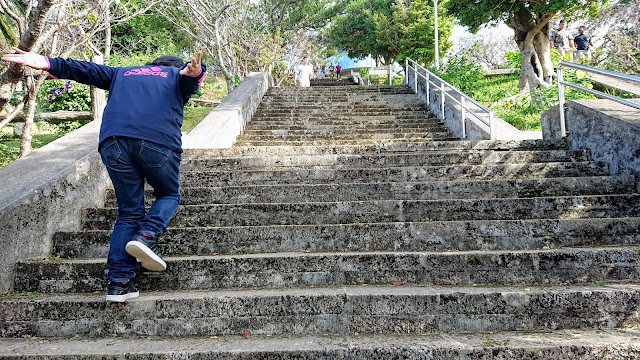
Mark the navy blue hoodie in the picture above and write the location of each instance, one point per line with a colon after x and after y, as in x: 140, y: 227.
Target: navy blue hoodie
x: 145, y: 102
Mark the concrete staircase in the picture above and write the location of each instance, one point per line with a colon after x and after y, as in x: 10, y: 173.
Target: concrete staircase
x: 347, y: 222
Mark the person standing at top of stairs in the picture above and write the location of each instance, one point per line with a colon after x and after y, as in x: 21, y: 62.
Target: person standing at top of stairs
x: 140, y: 139
x: 304, y: 72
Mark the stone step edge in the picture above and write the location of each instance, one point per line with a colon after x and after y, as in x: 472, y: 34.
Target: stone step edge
x: 574, y: 344
x: 294, y: 255
x: 428, y: 167
x: 436, y: 183
x: 353, y: 202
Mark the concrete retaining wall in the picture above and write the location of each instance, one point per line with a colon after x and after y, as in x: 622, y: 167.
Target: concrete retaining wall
x: 610, y: 131
x: 46, y: 192
x: 223, y: 125
x: 475, y: 129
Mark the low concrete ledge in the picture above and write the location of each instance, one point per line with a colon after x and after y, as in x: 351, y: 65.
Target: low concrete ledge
x: 608, y: 130
x: 45, y: 192
x: 452, y: 117
x: 222, y: 126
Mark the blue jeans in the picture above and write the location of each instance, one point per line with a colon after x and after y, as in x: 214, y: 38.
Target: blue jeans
x: 129, y: 162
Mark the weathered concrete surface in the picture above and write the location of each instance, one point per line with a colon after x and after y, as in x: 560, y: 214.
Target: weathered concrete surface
x: 394, y: 174
x: 430, y: 158
x: 563, y: 344
x: 551, y: 144
x: 45, y: 192
x: 471, y: 189
x: 404, y: 236
x: 475, y: 129
x: 543, y: 267
x: 608, y: 130
x: 372, y: 211
x: 220, y: 128
x: 346, y: 310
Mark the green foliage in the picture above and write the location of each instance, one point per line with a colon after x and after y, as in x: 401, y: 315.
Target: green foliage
x: 514, y: 58
x: 391, y: 29
x: 150, y: 34
x: 354, y: 28
x: 364, y: 72
x: 67, y: 95
x: 475, y: 13
x: 461, y: 72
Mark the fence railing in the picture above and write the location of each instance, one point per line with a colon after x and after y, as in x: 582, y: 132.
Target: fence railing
x: 562, y: 84
x: 458, y: 96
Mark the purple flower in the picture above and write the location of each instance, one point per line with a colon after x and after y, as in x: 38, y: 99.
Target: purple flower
x: 67, y: 86
x: 53, y: 91
x: 59, y: 92
x: 77, y: 107
x: 140, y: 60
x: 50, y: 99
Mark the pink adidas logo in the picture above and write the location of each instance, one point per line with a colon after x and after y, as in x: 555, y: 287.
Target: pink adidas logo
x: 153, y: 71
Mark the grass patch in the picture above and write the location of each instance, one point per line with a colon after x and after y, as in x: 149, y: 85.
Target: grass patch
x: 384, y: 80
x: 193, y: 116
x: 523, y: 113
x: 43, y: 133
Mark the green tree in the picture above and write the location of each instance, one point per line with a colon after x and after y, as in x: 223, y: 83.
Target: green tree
x: 530, y: 21
x: 354, y: 28
x: 410, y: 30
x: 392, y: 29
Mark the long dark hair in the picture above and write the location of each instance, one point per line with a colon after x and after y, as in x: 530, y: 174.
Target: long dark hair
x: 168, y: 60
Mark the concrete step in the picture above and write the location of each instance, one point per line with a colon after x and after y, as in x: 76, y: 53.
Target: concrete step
x: 276, y: 270
x: 355, y: 124
x: 330, y: 127
x: 426, y: 158
x: 341, y: 311
x: 399, y: 236
x: 377, y: 148
x: 340, y: 142
x: 345, y: 114
x: 221, y: 178
x: 346, y: 136
x: 346, y: 212
x: 547, y: 345
x: 478, y: 189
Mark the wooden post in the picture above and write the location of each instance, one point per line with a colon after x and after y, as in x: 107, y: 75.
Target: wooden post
x: 98, y: 100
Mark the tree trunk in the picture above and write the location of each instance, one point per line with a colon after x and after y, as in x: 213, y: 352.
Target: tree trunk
x: 25, y: 142
x: 228, y: 76
x: 98, y: 101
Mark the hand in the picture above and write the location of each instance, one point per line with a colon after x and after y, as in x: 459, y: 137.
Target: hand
x: 29, y: 59
x: 194, y: 68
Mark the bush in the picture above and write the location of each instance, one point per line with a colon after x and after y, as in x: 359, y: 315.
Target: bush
x: 514, y: 58
x: 64, y: 95
x: 461, y: 73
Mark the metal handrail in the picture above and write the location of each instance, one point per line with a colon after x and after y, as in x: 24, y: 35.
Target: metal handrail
x: 562, y: 84
x: 428, y: 76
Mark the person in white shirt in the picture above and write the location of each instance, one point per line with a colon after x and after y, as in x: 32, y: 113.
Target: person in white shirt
x: 304, y: 72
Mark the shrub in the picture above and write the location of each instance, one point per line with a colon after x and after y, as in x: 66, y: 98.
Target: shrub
x: 461, y: 73
x: 64, y: 95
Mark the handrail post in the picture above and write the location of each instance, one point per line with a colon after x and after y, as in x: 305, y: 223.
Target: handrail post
x: 442, y: 96
x: 492, y: 135
x: 428, y: 79
x: 406, y: 71
x: 563, y: 129
x: 462, y: 116
x: 415, y: 76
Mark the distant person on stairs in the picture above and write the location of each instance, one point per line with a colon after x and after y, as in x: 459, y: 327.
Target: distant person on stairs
x: 140, y: 139
x: 338, y: 72
x: 304, y: 72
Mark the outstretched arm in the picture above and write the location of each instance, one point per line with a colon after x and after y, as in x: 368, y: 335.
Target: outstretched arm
x: 29, y: 59
x: 81, y: 71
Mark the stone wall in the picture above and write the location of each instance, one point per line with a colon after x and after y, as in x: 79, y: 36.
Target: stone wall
x: 608, y: 130
x: 46, y: 192
x: 223, y: 125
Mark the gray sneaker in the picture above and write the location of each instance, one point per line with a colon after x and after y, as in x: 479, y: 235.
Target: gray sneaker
x: 145, y: 249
